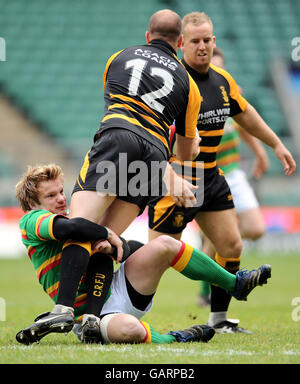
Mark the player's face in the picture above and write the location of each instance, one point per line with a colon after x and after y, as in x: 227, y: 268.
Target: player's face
x: 198, y: 45
x: 52, y: 197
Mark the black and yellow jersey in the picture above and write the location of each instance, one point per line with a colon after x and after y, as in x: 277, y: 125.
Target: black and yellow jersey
x: 220, y: 99
x: 146, y: 88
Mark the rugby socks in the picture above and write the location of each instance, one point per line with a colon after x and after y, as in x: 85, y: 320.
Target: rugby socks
x: 195, y: 265
x: 98, y: 280
x: 155, y: 337
x: 204, y: 288
x: 220, y: 299
x: 74, y: 261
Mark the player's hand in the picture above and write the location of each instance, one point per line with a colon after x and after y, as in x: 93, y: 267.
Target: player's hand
x: 106, y: 246
x: 115, y: 240
x: 287, y: 160
x: 182, y: 192
x: 103, y: 246
x: 261, y: 165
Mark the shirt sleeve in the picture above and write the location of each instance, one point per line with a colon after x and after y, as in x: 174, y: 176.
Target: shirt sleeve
x: 39, y: 225
x: 186, y: 122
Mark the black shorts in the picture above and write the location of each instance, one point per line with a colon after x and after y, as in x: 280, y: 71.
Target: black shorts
x: 123, y: 164
x: 166, y: 217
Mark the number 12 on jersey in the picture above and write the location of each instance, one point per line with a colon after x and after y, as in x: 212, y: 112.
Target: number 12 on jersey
x: 138, y: 67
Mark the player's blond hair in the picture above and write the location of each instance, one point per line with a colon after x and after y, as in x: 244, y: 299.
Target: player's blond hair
x: 27, y: 187
x: 195, y: 18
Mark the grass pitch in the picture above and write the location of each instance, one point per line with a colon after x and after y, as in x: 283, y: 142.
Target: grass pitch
x: 269, y: 313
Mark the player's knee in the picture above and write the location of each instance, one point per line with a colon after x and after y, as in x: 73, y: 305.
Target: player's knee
x: 121, y: 328
x: 234, y: 249
x: 254, y: 233
x: 166, y: 246
x: 166, y: 242
x: 131, y: 330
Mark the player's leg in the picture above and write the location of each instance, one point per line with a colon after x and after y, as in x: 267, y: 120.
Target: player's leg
x: 120, y: 215
x: 117, y: 215
x: 251, y: 224
x: 125, y: 328
x: 222, y: 230
x: 145, y: 267
x: 139, y: 278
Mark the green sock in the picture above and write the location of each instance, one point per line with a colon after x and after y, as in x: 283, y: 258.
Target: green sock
x: 155, y: 337
x: 204, y: 288
x: 195, y: 265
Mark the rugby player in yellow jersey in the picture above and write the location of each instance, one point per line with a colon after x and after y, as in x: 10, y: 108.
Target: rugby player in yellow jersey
x: 216, y: 216
x: 250, y: 219
x: 145, y: 89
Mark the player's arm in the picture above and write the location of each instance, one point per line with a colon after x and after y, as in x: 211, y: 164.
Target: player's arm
x: 261, y: 164
x: 187, y: 137
x: 186, y: 148
x: 78, y: 229
x: 253, y: 123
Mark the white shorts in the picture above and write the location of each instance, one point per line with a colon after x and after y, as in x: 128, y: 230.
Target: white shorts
x: 119, y: 301
x: 243, y: 195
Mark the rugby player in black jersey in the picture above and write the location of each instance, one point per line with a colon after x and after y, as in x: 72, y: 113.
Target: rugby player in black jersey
x: 215, y: 215
x: 146, y: 88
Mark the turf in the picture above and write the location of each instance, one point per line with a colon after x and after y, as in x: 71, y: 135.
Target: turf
x: 268, y: 313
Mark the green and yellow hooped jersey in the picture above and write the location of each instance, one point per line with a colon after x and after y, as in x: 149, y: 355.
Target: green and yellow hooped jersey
x: 45, y: 252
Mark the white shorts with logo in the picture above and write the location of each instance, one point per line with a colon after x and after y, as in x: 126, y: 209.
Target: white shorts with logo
x: 243, y: 195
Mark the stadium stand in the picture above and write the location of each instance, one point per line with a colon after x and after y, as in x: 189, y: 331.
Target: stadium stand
x: 56, y: 53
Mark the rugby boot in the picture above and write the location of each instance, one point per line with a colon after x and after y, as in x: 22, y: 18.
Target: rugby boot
x: 91, y: 333
x: 230, y: 326
x: 246, y: 281
x: 195, y: 333
x: 44, y: 324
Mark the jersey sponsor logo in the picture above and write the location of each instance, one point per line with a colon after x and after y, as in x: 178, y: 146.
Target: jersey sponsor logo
x: 162, y: 60
x: 225, y: 96
x: 214, y: 116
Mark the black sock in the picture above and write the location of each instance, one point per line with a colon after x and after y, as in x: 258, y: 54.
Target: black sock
x: 220, y: 299
x: 98, y: 280
x: 74, y: 262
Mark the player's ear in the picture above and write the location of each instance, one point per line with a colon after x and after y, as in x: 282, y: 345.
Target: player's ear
x: 180, y: 42
x: 147, y: 35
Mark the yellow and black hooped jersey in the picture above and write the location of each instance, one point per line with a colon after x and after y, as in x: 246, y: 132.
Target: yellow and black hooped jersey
x: 220, y: 99
x: 146, y: 88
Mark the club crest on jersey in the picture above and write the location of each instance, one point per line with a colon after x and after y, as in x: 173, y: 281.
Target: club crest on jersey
x: 178, y: 220
x: 224, y: 95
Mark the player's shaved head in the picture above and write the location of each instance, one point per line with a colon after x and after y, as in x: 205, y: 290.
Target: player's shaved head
x: 165, y: 24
